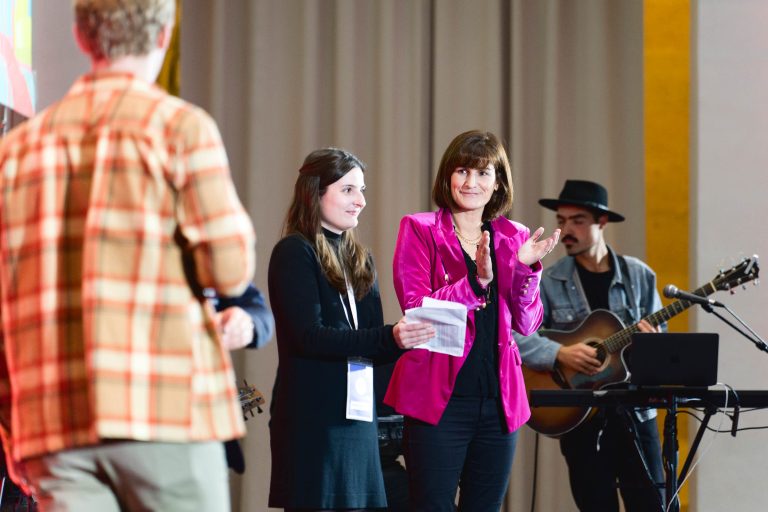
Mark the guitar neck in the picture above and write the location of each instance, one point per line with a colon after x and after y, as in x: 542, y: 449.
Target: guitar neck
x: 623, y: 338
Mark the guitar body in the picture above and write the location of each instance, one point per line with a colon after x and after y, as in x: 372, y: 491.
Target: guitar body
x: 605, y: 331
x: 556, y: 421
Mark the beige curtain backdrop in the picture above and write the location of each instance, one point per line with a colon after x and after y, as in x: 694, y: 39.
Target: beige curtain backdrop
x: 393, y: 81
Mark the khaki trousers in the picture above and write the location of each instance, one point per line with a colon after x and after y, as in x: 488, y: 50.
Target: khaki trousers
x: 130, y: 476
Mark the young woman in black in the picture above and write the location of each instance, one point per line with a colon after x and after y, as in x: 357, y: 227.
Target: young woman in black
x: 325, y: 298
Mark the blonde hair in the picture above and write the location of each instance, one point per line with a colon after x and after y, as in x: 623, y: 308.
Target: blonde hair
x: 116, y: 28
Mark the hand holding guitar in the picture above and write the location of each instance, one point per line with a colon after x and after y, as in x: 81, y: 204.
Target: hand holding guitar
x: 580, y: 358
x: 645, y: 326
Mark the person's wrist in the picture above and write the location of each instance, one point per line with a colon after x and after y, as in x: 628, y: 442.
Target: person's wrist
x: 484, y: 282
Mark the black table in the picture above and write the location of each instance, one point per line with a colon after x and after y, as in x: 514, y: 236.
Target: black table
x: 669, y: 398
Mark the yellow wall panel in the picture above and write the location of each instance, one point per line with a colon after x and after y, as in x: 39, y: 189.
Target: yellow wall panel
x: 666, y: 55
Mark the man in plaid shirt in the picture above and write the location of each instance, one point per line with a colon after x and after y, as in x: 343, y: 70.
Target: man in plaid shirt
x: 117, y: 211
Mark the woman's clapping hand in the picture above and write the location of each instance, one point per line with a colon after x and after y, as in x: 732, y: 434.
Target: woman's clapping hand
x: 534, y: 249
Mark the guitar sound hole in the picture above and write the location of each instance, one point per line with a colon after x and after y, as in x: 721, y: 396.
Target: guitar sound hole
x: 601, y: 354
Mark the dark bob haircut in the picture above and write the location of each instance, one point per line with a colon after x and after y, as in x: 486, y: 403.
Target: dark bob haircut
x: 476, y: 150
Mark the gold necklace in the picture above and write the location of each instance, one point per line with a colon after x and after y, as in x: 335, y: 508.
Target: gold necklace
x: 466, y: 240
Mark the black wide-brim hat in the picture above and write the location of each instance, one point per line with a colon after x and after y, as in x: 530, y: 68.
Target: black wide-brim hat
x: 587, y: 194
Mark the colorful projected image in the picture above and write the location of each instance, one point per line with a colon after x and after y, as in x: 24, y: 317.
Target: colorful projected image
x: 17, y: 81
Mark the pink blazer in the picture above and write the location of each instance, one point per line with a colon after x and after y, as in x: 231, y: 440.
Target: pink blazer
x: 429, y: 262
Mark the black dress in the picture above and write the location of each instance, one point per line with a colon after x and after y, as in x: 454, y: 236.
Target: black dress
x: 320, y: 459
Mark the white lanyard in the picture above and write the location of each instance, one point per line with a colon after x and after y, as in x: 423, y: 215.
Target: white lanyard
x: 359, y: 372
x: 352, y: 305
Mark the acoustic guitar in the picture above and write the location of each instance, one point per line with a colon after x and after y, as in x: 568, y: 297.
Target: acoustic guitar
x: 607, y: 334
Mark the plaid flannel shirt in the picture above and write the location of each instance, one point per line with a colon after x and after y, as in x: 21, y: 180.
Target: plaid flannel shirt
x: 117, y: 207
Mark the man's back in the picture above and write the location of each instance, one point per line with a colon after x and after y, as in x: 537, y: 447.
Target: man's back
x: 116, y: 206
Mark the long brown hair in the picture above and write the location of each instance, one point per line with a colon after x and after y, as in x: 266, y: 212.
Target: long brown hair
x: 475, y: 149
x: 321, y: 168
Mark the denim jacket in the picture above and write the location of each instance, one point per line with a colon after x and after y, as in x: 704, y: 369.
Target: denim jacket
x: 566, y: 306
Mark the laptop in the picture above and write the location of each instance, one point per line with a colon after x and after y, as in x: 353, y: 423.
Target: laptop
x: 673, y: 359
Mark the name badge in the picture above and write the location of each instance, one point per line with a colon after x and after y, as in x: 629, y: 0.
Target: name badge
x: 359, y: 389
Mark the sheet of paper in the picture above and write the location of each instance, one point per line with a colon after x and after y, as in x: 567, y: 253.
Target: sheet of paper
x: 450, y: 321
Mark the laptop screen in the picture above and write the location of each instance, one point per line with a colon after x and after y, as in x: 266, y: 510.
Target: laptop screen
x: 673, y: 359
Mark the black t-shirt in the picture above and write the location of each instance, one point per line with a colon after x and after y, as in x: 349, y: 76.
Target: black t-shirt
x: 596, y: 286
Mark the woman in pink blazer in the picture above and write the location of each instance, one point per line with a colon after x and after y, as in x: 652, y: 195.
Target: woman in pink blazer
x: 462, y: 413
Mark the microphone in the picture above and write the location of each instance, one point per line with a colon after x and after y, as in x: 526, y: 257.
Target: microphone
x: 673, y: 292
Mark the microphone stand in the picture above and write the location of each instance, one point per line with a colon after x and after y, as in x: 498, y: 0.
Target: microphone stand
x: 670, y: 445
x: 757, y: 340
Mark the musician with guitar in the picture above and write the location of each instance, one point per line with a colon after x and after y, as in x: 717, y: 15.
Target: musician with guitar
x: 576, y: 292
